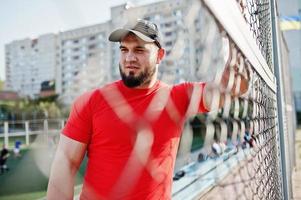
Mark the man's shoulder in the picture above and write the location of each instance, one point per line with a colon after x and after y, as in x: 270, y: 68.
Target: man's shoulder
x: 96, y: 92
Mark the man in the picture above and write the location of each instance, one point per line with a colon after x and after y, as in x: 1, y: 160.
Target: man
x: 3, y: 158
x: 17, y: 148
x: 130, y: 129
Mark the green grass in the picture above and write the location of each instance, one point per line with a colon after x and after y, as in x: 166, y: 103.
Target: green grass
x: 28, y: 174
x: 25, y: 196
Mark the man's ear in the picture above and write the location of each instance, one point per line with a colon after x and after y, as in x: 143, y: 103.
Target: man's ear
x: 161, y: 53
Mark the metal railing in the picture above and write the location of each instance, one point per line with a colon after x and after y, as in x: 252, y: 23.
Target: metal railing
x: 27, y: 130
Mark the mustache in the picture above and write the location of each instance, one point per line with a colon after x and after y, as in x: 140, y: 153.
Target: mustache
x: 133, y: 81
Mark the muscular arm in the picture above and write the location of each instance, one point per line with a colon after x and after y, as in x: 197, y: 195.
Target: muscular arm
x: 66, y: 162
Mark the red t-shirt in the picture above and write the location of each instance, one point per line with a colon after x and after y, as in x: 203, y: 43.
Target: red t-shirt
x: 132, y: 137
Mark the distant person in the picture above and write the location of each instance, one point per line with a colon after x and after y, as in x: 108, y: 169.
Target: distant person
x: 131, y: 128
x: 17, y: 148
x: 3, y: 158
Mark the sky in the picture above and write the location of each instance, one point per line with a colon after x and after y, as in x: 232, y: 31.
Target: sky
x: 20, y: 19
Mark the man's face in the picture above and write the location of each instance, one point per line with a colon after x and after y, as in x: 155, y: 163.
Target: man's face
x: 138, y: 61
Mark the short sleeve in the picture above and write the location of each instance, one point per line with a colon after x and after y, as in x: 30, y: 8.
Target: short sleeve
x: 79, y: 123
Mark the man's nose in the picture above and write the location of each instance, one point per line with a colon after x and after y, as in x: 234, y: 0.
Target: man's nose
x: 131, y: 56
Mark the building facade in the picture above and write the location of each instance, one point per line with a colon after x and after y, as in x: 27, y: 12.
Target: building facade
x: 78, y: 50
x: 293, y: 39
x: 29, y: 63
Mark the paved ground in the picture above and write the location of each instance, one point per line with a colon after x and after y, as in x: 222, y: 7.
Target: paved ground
x: 237, y: 185
x: 296, y: 177
x: 240, y: 185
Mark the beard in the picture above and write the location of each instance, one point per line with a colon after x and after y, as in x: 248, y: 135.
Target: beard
x: 132, y: 81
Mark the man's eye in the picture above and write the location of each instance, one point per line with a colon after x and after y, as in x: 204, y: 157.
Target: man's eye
x: 139, y: 50
x: 123, y: 50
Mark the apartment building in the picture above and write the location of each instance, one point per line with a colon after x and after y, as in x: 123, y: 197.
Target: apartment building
x: 29, y: 62
x: 79, y: 51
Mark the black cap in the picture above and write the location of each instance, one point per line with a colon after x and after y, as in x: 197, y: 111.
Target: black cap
x: 145, y: 30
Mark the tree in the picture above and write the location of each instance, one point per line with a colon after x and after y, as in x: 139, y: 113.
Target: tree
x: 27, y: 109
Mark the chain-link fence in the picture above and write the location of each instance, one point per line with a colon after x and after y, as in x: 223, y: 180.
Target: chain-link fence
x: 258, y: 16
x: 251, y: 119
x: 232, y: 151
x: 245, y: 130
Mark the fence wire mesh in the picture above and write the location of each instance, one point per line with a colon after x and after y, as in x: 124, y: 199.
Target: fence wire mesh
x: 247, y: 124
x: 257, y: 14
x: 244, y: 126
x: 239, y: 141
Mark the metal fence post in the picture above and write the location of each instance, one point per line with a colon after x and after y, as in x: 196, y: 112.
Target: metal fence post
x: 27, y: 133
x: 6, y: 134
x: 286, y: 186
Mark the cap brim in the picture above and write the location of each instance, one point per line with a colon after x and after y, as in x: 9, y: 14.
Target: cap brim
x: 117, y: 35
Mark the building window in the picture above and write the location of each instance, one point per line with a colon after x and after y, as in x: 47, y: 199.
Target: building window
x: 75, y: 41
x: 75, y: 57
x: 92, y: 38
x: 92, y: 46
x: 167, y: 25
x: 91, y: 55
x: 168, y: 43
x: 34, y: 43
x: 168, y: 34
